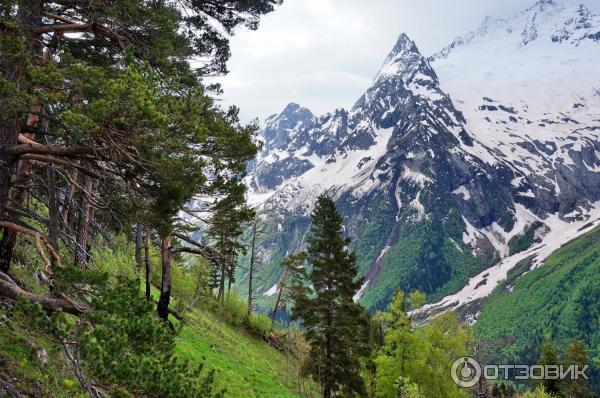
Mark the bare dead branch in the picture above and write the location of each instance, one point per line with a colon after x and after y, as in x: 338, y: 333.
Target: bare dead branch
x: 85, y: 383
x: 50, y: 159
x: 10, y: 390
x: 15, y: 292
x: 38, y: 238
x: 41, y: 149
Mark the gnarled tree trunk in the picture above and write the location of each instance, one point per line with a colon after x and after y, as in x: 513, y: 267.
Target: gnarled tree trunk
x: 29, y: 14
x: 23, y: 175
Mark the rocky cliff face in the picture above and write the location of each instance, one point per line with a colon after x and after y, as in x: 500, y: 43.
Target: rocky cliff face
x: 450, y: 164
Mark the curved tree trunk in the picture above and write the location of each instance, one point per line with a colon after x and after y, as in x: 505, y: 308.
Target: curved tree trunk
x: 12, y: 291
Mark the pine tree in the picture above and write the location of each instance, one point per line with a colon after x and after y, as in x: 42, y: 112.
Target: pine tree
x: 549, y: 356
x: 106, y: 90
x: 576, y: 354
x: 230, y: 214
x: 331, y: 319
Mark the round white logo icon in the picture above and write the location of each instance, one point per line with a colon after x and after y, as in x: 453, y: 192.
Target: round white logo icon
x: 466, y: 372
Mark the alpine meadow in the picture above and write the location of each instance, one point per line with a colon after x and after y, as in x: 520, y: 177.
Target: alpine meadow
x: 170, y: 228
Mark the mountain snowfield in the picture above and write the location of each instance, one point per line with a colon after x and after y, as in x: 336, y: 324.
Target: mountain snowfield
x: 451, y: 168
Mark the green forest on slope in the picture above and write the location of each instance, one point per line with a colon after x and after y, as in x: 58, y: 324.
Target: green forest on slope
x: 123, y: 212
x: 558, y: 298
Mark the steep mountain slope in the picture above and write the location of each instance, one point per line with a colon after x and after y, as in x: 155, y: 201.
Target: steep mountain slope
x: 559, y: 297
x: 440, y: 176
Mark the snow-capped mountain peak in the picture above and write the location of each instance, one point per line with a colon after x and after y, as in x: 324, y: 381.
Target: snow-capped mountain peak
x: 404, y: 60
x: 494, y: 137
x: 544, y: 23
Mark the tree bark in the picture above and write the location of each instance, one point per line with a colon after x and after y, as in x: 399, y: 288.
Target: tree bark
x: 28, y: 14
x: 165, y: 286
x: 10, y: 123
x: 68, y: 210
x: 9, y: 131
x: 148, y: 266
x: 139, y: 236
x: 221, y: 296
x: 14, y: 292
x: 53, y: 227
x: 86, y: 214
x: 279, y: 294
x: 9, y: 237
x: 229, y: 276
x: 251, y: 268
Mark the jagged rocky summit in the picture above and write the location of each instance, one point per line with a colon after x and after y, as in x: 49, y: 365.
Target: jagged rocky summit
x: 451, y: 167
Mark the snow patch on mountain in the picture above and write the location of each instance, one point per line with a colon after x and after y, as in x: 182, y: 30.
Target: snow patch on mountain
x: 502, y: 126
x: 559, y: 233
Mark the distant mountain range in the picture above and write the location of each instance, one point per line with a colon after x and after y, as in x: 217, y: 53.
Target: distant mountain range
x: 451, y: 168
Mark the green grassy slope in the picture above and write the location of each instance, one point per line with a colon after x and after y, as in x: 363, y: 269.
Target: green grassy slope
x: 245, y: 365
x: 560, y: 297
x: 20, y: 364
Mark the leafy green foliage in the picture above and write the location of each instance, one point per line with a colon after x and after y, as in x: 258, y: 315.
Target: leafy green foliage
x: 418, y: 361
x: 537, y: 393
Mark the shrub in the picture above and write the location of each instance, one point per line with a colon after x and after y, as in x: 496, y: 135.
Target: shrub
x: 235, y: 309
x: 259, y: 324
x: 128, y: 346
x: 537, y: 393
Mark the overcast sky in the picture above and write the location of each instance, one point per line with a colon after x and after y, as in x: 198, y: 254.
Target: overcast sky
x: 323, y: 54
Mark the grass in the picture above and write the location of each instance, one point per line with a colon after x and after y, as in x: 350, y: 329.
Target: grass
x: 244, y: 365
x: 20, y: 364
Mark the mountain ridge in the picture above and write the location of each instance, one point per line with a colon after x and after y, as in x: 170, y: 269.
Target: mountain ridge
x: 419, y: 155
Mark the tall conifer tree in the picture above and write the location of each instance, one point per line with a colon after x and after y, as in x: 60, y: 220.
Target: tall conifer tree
x: 576, y: 354
x: 332, y: 320
x: 549, y: 356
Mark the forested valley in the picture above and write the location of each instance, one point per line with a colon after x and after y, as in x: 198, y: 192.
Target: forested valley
x: 125, y: 222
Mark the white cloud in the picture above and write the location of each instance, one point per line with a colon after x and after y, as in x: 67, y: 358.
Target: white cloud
x: 324, y: 53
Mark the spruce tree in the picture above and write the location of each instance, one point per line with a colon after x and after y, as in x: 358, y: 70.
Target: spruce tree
x: 549, y: 356
x: 576, y: 354
x: 332, y: 320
